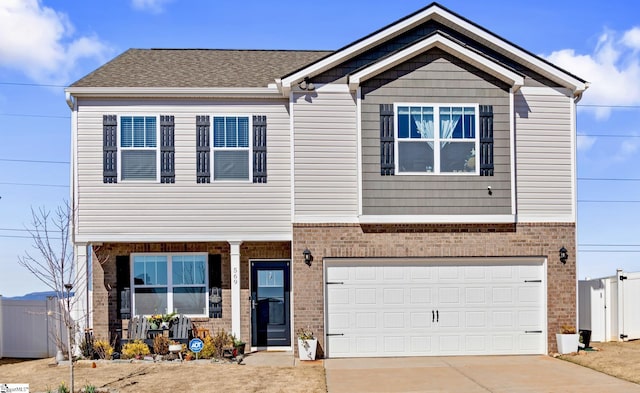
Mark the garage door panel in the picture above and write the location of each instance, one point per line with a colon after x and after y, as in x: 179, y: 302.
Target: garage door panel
x: 475, y: 296
x: 420, y: 296
x: 416, y: 310
x: 365, y: 296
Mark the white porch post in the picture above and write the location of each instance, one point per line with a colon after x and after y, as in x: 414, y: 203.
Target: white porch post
x: 235, y: 287
x: 80, y: 309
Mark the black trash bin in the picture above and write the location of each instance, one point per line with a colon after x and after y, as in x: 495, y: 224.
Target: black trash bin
x: 585, y: 337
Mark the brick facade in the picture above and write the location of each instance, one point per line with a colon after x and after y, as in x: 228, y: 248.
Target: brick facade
x: 431, y: 240
x: 106, y: 324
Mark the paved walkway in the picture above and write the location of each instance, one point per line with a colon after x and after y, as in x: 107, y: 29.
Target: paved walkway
x: 468, y: 374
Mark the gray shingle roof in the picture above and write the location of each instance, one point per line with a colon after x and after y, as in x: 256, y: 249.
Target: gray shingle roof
x: 198, y: 68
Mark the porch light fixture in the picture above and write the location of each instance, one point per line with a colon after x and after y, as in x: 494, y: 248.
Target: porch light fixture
x: 306, y: 84
x: 563, y: 255
x: 307, y: 256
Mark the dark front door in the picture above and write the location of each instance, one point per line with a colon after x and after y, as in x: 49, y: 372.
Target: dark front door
x: 270, y: 316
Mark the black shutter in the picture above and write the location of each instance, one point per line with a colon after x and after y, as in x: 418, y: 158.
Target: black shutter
x: 123, y: 279
x: 110, y: 148
x: 203, y: 137
x: 215, y: 286
x: 259, y: 149
x: 387, y: 165
x: 486, y: 140
x: 167, y: 150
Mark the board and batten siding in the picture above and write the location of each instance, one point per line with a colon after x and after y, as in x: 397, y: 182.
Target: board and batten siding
x: 435, y: 77
x: 544, y: 141
x: 325, y: 156
x: 186, y: 210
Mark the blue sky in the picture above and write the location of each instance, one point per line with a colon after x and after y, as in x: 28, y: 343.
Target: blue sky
x: 45, y: 44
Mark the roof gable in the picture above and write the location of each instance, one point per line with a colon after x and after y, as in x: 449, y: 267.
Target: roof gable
x: 437, y: 40
x: 435, y: 12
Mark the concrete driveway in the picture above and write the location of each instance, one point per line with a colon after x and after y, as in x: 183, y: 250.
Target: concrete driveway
x: 468, y: 374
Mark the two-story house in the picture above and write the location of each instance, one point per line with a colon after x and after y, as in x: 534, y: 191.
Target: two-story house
x: 407, y: 194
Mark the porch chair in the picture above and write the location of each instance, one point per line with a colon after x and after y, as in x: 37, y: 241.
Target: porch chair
x: 182, y: 329
x: 137, y: 329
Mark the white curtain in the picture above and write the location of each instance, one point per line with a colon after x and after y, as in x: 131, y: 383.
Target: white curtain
x: 425, y: 127
x: 447, y: 125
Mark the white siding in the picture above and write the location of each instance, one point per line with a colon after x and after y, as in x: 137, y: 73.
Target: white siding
x: 184, y: 211
x: 544, y: 141
x: 326, y: 171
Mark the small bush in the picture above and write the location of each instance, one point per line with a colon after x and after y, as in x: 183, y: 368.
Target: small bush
x: 89, y: 388
x: 103, y: 349
x: 135, y: 349
x: 220, y: 341
x: 160, y: 345
x: 208, y: 349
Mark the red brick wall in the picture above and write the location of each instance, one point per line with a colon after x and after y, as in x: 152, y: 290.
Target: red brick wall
x: 105, y: 321
x: 431, y: 240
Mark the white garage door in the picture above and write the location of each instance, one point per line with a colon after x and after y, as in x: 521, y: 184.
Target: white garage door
x: 406, y: 307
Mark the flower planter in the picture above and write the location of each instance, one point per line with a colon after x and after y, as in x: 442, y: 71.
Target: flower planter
x: 307, y: 349
x: 567, y: 343
x: 239, y: 348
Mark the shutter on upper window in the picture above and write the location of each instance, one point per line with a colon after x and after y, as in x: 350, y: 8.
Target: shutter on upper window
x: 203, y: 162
x: 387, y: 162
x: 259, y: 149
x: 486, y: 140
x: 167, y: 150
x: 215, y: 286
x: 110, y: 148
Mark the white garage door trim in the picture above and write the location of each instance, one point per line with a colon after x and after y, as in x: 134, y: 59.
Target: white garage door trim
x: 380, y: 307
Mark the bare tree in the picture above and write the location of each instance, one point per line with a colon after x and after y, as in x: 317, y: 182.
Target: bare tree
x: 52, y: 262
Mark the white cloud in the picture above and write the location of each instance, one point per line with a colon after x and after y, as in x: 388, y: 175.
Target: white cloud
x: 631, y: 38
x: 585, y: 142
x: 155, y: 6
x: 40, y: 42
x: 613, y: 69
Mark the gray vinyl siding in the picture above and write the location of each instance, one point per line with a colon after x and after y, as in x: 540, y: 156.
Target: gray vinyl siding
x: 185, y: 210
x: 544, y: 145
x: 326, y: 170
x: 434, y: 77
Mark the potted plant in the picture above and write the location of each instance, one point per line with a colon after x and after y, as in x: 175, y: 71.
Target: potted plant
x: 307, y: 344
x: 161, y: 321
x: 568, y: 339
x: 238, y: 346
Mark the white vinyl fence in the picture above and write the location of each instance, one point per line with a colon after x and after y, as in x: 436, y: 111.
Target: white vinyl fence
x: 28, y: 328
x: 610, y: 307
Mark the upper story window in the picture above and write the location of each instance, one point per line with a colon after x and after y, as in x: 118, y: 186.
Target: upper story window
x: 436, y: 138
x: 138, y: 148
x: 231, y: 158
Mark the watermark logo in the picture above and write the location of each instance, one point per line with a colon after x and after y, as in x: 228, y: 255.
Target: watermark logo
x: 14, y: 387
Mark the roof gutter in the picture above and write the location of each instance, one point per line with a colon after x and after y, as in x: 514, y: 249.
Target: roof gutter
x: 69, y: 98
x: 176, y: 92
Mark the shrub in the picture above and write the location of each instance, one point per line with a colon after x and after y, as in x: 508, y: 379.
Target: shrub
x: 135, y: 349
x: 103, y: 349
x: 220, y: 341
x: 160, y: 345
x: 208, y: 349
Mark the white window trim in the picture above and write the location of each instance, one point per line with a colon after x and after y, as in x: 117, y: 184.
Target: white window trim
x: 169, y: 281
x: 212, y: 148
x: 156, y: 149
x: 436, y: 138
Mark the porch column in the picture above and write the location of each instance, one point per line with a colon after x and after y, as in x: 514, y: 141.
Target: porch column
x: 235, y: 287
x: 80, y: 309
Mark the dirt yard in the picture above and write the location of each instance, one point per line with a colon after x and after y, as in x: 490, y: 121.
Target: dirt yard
x: 43, y: 374
x: 620, y: 359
